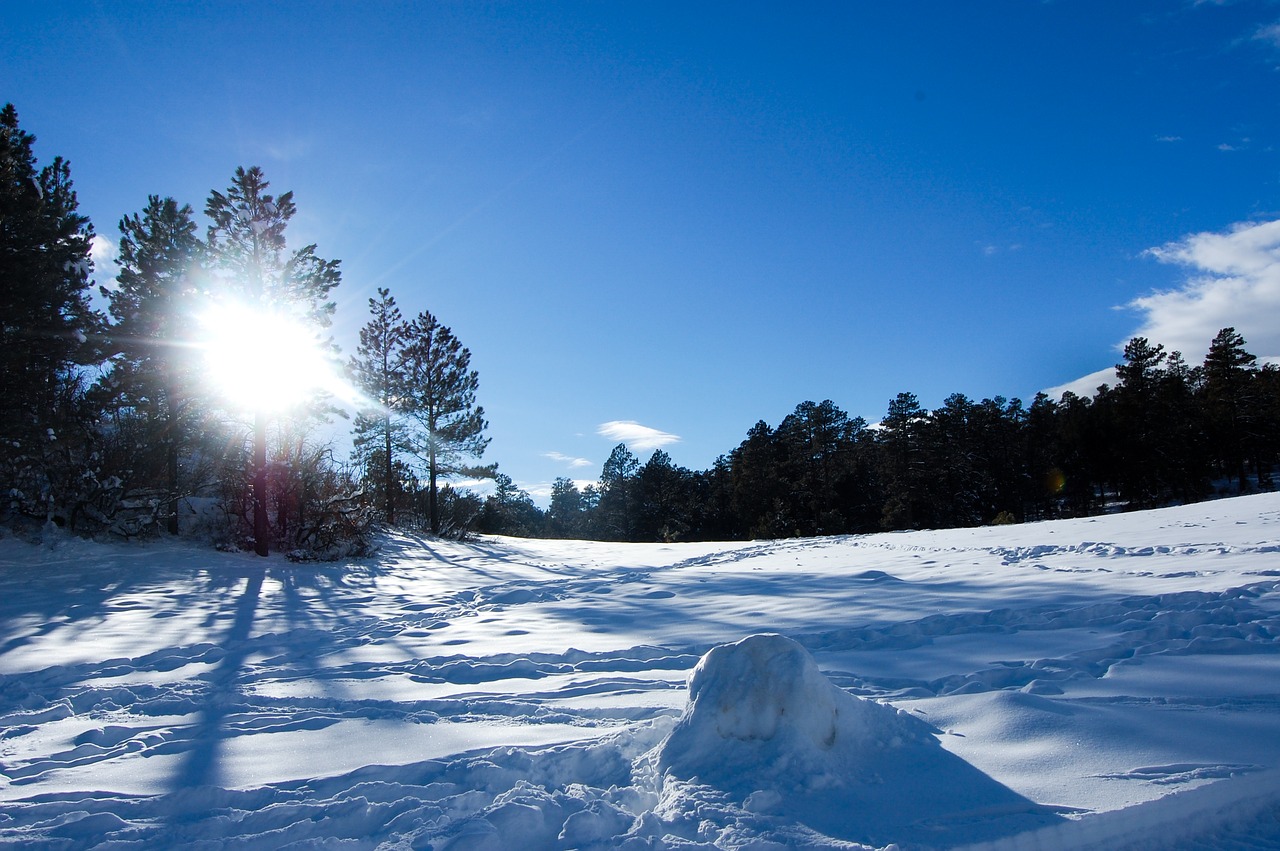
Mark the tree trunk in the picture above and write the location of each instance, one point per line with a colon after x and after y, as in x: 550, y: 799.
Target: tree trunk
x: 172, y: 485
x: 390, y: 481
x: 434, y: 509
x: 171, y: 459
x: 261, y: 529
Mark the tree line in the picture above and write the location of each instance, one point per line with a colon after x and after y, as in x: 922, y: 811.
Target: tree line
x: 1165, y: 433
x: 109, y: 422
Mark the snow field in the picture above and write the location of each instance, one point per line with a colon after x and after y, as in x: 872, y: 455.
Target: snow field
x: 1108, y: 682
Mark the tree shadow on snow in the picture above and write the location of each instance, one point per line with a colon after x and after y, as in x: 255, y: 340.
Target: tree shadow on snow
x: 200, y: 767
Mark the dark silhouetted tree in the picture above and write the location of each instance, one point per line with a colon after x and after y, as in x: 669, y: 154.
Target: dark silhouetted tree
x: 47, y: 327
x: 1229, y: 404
x: 154, y: 374
x: 614, y: 517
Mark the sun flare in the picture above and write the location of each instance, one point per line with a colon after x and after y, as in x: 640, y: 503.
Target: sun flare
x: 262, y: 359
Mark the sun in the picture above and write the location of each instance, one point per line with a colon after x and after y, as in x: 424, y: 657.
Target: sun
x: 263, y: 360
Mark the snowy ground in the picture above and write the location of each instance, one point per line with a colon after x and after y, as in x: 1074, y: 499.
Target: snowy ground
x: 1102, y: 683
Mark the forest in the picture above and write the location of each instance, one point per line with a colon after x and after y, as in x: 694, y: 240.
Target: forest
x: 1166, y: 433
x: 170, y: 400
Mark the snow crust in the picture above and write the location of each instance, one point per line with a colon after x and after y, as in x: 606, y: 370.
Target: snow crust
x: 1098, y: 683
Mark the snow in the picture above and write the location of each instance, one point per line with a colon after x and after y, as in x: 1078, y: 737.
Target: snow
x: 1096, y: 683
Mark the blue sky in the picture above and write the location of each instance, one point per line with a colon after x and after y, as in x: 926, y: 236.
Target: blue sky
x: 662, y: 222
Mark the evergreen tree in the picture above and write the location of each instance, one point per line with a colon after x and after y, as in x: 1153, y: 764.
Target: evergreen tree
x: 615, y: 511
x: 951, y: 437
x: 247, y: 247
x: 378, y: 371
x: 564, y: 514
x: 1268, y: 408
x: 153, y: 308
x: 446, y: 425
x: 758, y: 507
x: 254, y: 268
x: 1042, y: 460
x: 1184, y: 459
x: 510, y: 511
x: 1139, y: 435
x: 47, y: 327
x: 904, y: 464
x: 663, y: 509
x: 817, y: 445
x: 1086, y: 451
x: 1229, y: 404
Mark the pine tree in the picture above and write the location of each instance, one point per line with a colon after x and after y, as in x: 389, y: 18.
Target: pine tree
x: 564, y: 514
x: 904, y: 464
x: 250, y: 259
x: 662, y: 506
x: 1139, y: 435
x: 47, y: 327
x: 378, y: 371
x: 615, y: 514
x: 1042, y: 460
x: 247, y: 246
x: 510, y: 511
x: 817, y: 447
x: 1228, y: 401
x: 446, y: 425
x: 756, y: 489
x: 153, y: 308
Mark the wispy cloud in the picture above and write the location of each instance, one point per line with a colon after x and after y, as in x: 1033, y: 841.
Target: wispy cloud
x: 1168, y: 138
x: 567, y: 459
x: 991, y: 250
x: 1233, y: 280
x: 1269, y: 34
x: 638, y: 437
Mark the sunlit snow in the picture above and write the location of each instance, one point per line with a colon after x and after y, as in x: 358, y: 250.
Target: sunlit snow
x: 1098, y: 683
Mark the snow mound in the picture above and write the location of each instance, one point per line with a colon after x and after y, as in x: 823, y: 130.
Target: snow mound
x: 760, y: 711
x: 801, y: 758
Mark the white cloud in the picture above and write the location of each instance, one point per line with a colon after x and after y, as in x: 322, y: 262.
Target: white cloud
x: 1086, y: 386
x: 567, y: 459
x: 1233, y: 280
x: 540, y: 492
x: 637, y: 437
x: 104, y: 253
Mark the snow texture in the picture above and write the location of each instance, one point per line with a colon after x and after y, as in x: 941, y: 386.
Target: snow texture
x: 1098, y: 683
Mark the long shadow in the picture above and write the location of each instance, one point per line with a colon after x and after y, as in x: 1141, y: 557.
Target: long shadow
x: 201, y: 765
